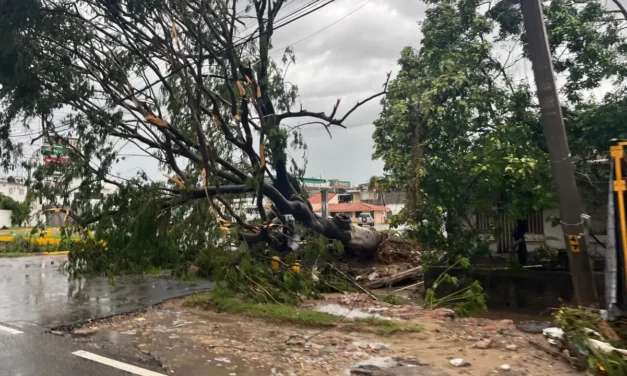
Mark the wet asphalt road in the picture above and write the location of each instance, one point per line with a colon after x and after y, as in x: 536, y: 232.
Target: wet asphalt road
x: 39, y: 354
x: 34, y: 292
x: 36, y: 296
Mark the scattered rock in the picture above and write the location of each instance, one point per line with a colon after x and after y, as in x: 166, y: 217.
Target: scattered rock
x: 507, y: 322
x: 329, y: 350
x: 295, y: 341
x: 359, y: 354
x: 377, y: 346
x: 57, y: 332
x: 84, y: 332
x: 505, y: 367
x: 444, y: 313
x: 484, y: 344
x: 459, y: 362
x: 511, y: 347
x: 361, y: 345
x: 316, y: 346
x: 409, y: 362
x: 532, y: 326
x: 143, y: 348
x: 393, y: 367
x: 222, y: 359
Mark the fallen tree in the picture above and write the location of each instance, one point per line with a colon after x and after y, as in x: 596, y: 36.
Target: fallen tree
x: 189, y: 83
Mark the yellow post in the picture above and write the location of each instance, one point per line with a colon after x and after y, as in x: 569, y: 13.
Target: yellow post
x: 618, y: 153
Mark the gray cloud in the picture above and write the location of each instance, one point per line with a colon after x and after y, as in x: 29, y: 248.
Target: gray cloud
x: 348, y: 60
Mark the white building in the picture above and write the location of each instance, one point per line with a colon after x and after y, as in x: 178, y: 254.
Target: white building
x: 14, y: 189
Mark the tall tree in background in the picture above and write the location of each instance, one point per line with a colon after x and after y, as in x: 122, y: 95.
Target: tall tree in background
x: 378, y: 185
x: 190, y: 83
x: 464, y: 112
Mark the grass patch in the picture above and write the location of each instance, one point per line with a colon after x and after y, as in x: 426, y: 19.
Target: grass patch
x: 15, y: 254
x: 270, y: 312
x: 287, y: 313
x: 388, y: 327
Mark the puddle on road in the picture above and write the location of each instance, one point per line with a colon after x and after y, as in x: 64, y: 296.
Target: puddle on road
x: 186, y: 347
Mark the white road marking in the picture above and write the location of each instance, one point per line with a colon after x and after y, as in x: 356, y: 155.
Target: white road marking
x: 115, y: 364
x: 6, y: 329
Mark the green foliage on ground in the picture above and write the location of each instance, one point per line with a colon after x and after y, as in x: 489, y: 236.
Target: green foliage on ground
x: 460, y: 128
x: 247, y: 271
x: 577, y: 324
x: 466, y: 297
x: 223, y: 301
x: 143, y: 235
x: 391, y: 299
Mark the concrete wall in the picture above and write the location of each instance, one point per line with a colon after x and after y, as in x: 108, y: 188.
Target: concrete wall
x: 380, y: 217
x: 520, y: 289
x: 5, y: 218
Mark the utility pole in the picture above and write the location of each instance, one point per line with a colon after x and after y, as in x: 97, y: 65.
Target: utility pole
x: 324, y: 200
x: 570, y: 204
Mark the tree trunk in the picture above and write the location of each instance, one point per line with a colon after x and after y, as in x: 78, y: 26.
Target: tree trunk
x: 519, y: 238
x: 364, y: 241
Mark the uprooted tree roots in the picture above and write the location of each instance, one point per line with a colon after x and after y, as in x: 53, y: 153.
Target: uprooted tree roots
x: 394, y: 250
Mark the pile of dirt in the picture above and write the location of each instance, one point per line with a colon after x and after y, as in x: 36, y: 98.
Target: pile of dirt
x: 397, y: 260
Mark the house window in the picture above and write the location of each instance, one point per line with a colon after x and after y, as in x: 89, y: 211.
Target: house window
x: 11, y: 191
x: 21, y: 191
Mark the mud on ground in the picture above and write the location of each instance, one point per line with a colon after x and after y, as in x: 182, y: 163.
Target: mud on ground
x: 192, y: 341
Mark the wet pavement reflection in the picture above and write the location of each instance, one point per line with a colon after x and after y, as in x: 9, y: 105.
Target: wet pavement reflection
x: 34, y: 291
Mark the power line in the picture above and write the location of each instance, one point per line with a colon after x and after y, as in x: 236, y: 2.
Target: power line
x: 235, y: 45
x: 326, y: 27
x: 254, y: 20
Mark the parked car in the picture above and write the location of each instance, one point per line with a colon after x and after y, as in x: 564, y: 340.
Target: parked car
x: 365, y: 219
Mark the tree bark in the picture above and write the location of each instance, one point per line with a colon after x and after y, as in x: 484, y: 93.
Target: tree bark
x: 364, y: 241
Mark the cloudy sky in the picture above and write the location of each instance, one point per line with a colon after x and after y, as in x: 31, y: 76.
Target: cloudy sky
x: 348, y: 60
